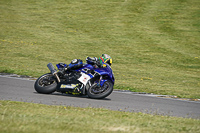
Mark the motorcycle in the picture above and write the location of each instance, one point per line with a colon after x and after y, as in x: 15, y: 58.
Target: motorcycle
x: 83, y: 79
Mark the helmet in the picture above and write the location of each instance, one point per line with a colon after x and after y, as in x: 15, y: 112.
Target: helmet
x: 105, y: 59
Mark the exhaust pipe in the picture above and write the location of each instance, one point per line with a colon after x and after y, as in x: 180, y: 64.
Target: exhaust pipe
x: 53, y: 71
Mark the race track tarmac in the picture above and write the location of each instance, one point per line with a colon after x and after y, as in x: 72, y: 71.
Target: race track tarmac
x: 22, y: 89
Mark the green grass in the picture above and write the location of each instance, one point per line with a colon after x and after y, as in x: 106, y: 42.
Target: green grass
x: 22, y: 117
x: 155, y: 44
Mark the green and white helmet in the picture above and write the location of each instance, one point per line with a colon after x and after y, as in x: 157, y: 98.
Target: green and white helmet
x: 105, y: 59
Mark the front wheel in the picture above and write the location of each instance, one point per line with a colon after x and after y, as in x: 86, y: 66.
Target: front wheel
x: 96, y: 91
x: 46, y: 84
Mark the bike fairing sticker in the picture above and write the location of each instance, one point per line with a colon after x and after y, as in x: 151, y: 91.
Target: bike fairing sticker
x: 84, y: 78
x: 91, y: 74
x: 72, y: 86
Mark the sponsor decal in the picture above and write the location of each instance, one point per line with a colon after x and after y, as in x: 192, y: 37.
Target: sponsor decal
x: 72, y: 86
x: 84, y: 78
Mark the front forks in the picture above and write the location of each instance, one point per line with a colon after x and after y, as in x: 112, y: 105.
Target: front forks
x: 101, y: 81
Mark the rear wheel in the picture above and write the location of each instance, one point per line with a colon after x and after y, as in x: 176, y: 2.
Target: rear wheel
x: 46, y: 84
x: 96, y: 91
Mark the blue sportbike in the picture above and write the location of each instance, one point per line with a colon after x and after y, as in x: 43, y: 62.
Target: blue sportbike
x: 78, y: 78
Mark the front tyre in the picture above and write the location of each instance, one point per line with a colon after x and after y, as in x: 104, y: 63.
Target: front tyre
x: 46, y: 84
x: 97, y: 92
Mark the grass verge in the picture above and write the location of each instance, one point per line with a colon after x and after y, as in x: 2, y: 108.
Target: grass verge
x: 21, y: 117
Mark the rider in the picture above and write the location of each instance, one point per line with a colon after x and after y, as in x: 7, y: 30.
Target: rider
x: 97, y: 63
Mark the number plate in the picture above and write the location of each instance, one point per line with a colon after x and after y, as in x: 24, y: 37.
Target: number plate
x: 84, y: 78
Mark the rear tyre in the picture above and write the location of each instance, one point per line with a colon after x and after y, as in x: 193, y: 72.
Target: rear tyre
x: 98, y: 92
x: 45, y: 84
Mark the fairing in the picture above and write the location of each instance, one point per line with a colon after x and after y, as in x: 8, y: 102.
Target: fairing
x: 106, y: 71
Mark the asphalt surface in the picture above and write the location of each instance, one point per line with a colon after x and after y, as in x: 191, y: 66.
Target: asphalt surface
x: 20, y: 89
